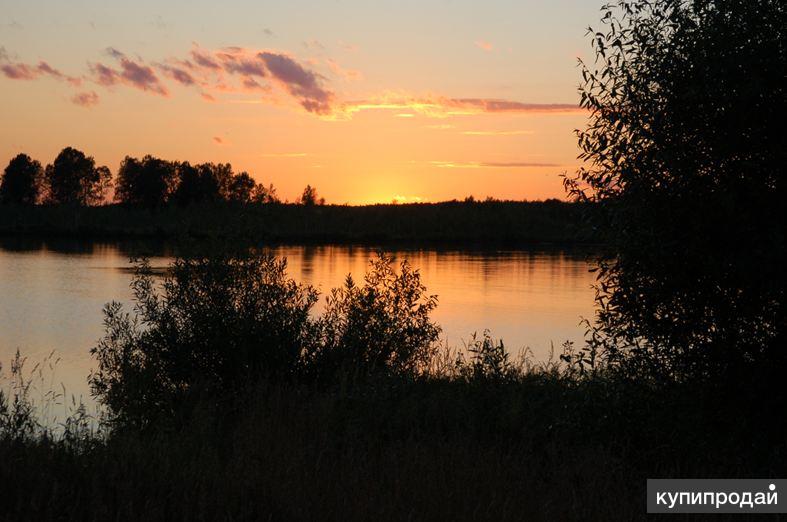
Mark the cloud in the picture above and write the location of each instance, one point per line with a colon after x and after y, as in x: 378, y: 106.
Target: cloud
x: 19, y: 71
x: 85, y: 99
x: 490, y: 164
x: 272, y: 77
x: 498, y: 133
x: 303, y: 84
x: 285, y: 155
x: 441, y: 107
x: 178, y: 74
x: 131, y: 73
x: 486, y: 46
x: 314, y: 45
x: 347, y: 74
x: 23, y: 71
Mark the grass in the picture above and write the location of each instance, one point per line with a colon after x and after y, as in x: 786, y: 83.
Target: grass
x: 549, y: 221
x: 539, y: 444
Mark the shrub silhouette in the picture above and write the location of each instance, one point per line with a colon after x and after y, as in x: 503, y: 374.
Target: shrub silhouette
x: 220, y: 322
x: 21, y: 183
x: 215, y: 323
x: 685, y: 153
x: 382, y: 326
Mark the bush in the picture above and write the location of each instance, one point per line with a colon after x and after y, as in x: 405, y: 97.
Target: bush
x: 383, y: 325
x: 218, y: 323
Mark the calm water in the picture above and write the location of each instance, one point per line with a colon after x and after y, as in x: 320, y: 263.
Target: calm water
x: 51, y: 294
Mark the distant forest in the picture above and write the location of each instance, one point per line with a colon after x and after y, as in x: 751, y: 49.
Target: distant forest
x: 159, y: 198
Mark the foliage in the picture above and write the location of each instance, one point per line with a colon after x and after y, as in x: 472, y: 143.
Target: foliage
x: 309, y: 197
x: 488, y: 360
x: 21, y: 183
x: 384, y: 325
x: 685, y: 156
x: 241, y: 188
x: 74, y: 178
x: 203, y: 183
x: 148, y: 182
x: 217, y: 321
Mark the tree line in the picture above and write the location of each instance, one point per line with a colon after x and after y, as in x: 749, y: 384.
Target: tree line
x: 73, y: 178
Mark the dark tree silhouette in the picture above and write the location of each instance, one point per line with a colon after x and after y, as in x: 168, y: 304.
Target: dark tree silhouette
x: 204, y: 183
x: 685, y: 154
x: 263, y: 194
x: 241, y: 188
x: 21, y: 183
x: 309, y: 197
x: 74, y: 178
x: 147, y: 182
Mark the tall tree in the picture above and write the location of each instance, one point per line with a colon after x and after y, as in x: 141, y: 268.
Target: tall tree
x: 74, y: 178
x: 203, y: 183
x: 310, y: 198
x: 685, y: 154
x: 147, y: 182
x: 21, y: 183
x: 241, y: 188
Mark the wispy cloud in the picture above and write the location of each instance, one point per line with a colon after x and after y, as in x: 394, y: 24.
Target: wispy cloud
x: 490, y: 164
x: 441, y: 106
x: 131, y: 73
x: 482, y: 44
x: 22, y: 71
x: 497, y: 133
x: 285, y: 155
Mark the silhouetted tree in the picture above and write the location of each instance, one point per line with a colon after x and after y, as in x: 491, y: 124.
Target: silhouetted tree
x: 241, y: 188
x: 74, y: 178
x: 309, y: 197
x: 204, y: 183
x: 148, y: 182
x: 21, y: 183
x: 263, y: 194
x: 685, y: 153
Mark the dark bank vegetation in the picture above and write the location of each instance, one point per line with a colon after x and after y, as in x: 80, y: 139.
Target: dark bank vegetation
x: 227, y: 399
x: 514, y: 222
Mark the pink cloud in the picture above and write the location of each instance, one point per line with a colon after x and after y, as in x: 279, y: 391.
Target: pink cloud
x: 19, y: 71
x: 85, y: 99
x: 23, y: 71
x: 132, y: 73
x: 178, y: 74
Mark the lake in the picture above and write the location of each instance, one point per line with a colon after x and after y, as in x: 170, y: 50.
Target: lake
x: 52, y: 293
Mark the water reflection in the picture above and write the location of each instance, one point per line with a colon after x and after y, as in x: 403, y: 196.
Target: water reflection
x: 52, y: 292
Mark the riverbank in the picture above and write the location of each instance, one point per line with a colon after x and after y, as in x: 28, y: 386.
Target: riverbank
x: 508, y: 222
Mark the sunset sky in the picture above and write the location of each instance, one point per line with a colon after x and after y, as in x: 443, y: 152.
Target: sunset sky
x: 369, y: 101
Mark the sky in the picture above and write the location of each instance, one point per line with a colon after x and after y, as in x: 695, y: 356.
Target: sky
x: 370, y: 102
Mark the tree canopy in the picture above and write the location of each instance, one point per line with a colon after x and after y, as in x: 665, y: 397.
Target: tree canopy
x: 74, y: 178
x: 685, y: 153
x: 22, y: 179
